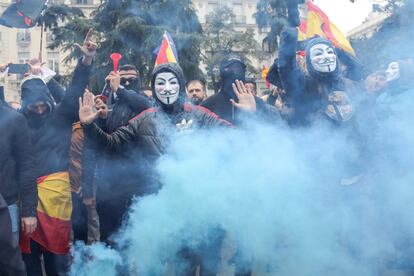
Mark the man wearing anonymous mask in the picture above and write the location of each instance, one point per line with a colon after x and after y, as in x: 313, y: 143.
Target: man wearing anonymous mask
x: 320, y: 90
x: 145, y: 136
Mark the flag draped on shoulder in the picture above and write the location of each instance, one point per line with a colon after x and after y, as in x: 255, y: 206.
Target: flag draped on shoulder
x: 167, y: 51
x: 318, y: 23
x: 22, y: 14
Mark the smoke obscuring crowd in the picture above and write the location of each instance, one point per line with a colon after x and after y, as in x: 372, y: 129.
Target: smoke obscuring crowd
x: 313, y: 177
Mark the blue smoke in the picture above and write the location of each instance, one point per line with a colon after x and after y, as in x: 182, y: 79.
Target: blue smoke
x: 290, y: 202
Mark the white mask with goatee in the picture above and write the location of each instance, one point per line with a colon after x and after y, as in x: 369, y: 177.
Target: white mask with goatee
x: 167, y: 87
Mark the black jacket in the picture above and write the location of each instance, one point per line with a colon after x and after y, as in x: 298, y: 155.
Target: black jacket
x: 145, y: 139
x: 220, y: 104
x: 97, y: 165
x: 51, y: 139
x: 17, y: 170
x: 11, y: 263
x: 308, y: 90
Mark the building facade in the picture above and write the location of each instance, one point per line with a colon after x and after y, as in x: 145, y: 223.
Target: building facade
x: 20, y: 45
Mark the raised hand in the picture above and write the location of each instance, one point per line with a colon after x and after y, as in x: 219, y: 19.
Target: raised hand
x: 114, y: 79
x: 87, y: 110
x: 35, y: 66
x: 88, y: 48
x: 246, y: 99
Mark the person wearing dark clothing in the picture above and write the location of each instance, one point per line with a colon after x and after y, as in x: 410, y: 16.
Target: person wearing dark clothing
x: 233, y: 68
x: 104, y: 170
x: 50, y: 131
x: 11, y: 263
x: 147, y: 135
x: 17, y: 169
x: 139, y: 143
x: 321, y: 91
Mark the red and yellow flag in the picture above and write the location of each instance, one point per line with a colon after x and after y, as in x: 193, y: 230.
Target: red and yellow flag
x: 265, y: 72
x: 54, y: 212
x: 167, y: 51
x: 318, y: 23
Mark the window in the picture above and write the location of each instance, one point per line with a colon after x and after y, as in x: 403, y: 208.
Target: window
x: 23, y: 56
x: 23, y: 36
x: 53, y: 61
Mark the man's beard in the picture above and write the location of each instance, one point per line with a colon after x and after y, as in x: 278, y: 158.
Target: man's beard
x: 196, y: 100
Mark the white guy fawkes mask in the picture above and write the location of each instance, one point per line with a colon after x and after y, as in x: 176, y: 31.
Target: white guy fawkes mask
x: 167, y: 87
x: 323, y: 58
x: 393, y: 71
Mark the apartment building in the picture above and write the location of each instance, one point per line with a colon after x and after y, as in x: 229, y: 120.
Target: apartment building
x: 20, y: 45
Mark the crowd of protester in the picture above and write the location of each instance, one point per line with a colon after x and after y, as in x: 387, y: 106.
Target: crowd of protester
x: 66, y: 153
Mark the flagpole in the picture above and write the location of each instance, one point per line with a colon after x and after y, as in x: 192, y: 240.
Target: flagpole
x: 41, y: 43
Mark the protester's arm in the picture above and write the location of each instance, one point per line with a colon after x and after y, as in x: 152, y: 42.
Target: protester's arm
x: 69, y: 106
x: 57, y: 91
x: 136, y: 102
x: 292, y: 77
x: 26, y: 179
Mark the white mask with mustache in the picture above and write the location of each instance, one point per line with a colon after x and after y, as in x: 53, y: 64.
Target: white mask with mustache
x: 167, y: 87
x: 323, y: 58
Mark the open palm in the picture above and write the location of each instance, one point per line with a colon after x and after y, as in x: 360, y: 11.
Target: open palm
x: 87, y: 110
x: 246, y: 100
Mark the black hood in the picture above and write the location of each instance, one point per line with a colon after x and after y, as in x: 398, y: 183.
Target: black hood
x: 174, y: 68
x: 34, y: 90
x: 229, y: 76
x: 312, y: 72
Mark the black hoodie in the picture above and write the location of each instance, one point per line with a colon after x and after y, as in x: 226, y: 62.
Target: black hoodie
x: 51, y: 134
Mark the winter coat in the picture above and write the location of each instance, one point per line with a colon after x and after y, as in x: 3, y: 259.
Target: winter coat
x: 309, y: 91
x: 11, y: 263
x: 97, y: 165
x: 144, y: 138
x: 17, y: 168
x: 51, y: 135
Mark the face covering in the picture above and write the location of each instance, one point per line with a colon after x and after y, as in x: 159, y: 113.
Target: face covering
x: 229, y: 75
x: 167, y: 88
x: 393, y: 71
x: 323, y: 58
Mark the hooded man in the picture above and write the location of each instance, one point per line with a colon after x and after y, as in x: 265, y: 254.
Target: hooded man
x: 50, y: 130
x: 224, y: 103
x: 145, y: 136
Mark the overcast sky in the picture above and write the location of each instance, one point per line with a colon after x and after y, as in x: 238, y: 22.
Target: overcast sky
x: 344, y: 14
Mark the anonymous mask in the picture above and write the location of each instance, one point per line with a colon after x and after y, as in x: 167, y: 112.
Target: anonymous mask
x: 167, y: 87
x: 323, y: 58
x: 393, y: 71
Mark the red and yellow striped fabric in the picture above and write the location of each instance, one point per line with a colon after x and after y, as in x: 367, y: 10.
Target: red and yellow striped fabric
x: 54, y: 213
x: 318, y: 23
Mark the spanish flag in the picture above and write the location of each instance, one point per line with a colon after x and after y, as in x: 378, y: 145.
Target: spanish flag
x: 167, y: 51
x: 265, y: 72
x: 318, y: 23
x: 54, y: 212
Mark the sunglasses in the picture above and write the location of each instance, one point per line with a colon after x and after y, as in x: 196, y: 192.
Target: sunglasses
x: 129, y: 80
